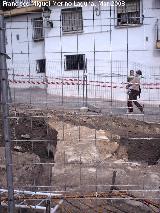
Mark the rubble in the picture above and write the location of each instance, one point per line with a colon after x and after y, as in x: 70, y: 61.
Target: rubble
x: 84, y: 109
x: 86, y: 150
x: 18, y: 148
x: 26, y: 136
x: 24, y: 168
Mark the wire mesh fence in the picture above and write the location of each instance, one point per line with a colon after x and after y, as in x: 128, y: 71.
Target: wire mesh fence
x: 106, y: 91
x: 73, y: 156
x: 75, y: 159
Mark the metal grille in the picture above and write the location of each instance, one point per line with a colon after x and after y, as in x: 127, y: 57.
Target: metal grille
x: 38, y: 29
x: 74, y: 62
x: 72, y: 19
x: 130, y: 14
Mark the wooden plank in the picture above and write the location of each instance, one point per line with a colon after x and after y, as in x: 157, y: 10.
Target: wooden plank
x: 21, y: 11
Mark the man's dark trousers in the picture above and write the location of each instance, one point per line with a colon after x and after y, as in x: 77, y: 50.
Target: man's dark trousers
x: 133, y: 98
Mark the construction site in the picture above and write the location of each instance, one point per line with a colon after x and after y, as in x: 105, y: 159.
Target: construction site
x: 69, y: 142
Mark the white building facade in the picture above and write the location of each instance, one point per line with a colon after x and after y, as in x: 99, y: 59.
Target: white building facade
x: 100, y: 40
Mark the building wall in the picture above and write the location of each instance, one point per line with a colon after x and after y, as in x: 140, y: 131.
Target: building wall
x: 138, y: 45
x: 22, y: 50
x: 105, y: 47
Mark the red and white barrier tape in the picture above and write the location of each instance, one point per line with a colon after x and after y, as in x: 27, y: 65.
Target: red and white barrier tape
x: 80, y: 80
x: 75, y: 83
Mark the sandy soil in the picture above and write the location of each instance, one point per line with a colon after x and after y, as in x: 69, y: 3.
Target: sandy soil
x: 87, y: 149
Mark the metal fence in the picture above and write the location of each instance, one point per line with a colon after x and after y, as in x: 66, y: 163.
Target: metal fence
x: 105, y: 90
x: 67, y: 158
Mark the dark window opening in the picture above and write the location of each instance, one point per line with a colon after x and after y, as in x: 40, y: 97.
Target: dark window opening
x: 75, y: 62
x: 129, y: 14
x: 17, y: 37
x: 72, y: 20
x: 41, y: 66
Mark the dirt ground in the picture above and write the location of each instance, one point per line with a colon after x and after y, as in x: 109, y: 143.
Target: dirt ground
x: 90, y: 148
x: 141, y: 139
x: 87, y: 149
x: 30, y: 139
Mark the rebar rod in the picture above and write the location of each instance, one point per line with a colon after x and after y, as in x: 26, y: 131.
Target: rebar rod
x: 5, y: 114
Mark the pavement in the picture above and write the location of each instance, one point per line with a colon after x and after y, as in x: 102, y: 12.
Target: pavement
x: 39, y: 98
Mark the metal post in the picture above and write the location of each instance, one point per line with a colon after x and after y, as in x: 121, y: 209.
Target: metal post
x: 0, y: 90
x: 5, y: 112
x: 0, y: 112
x: 157, y: 30
x: 83, y: 84
x: 110, y: 43
x: 127, y: 50
x: 48, y: 206
x: 0, y: 204
x: 86, y: 84
x: 94, y: 47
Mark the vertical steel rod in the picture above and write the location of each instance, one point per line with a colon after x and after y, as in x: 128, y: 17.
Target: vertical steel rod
x: 5, y: 114
x: 48, y: 206
x: 62, y: 68
x: 86, y: 85
x: 110, y: 43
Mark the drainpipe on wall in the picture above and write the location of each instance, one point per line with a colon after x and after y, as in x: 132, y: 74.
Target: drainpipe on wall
x: 158, y: 39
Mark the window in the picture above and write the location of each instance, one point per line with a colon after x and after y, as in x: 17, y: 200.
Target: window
x: 41, y: 66
x: 72, y: 20
x: 156, y: 4
x: 17, y: 37
x: 75, y: 62
x: 38, y: 29
x: 129, y: 14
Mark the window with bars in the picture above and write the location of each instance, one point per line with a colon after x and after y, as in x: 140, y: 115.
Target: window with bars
x: 72, y: 20
x: 41, y: 66
x: 38, y: 29
x: 156, y: 4
x: 75, y: 62
x: 129, y: 14
x: 158, y: 34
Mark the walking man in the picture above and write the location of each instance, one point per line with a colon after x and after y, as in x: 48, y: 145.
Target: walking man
x: 134, y: 92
